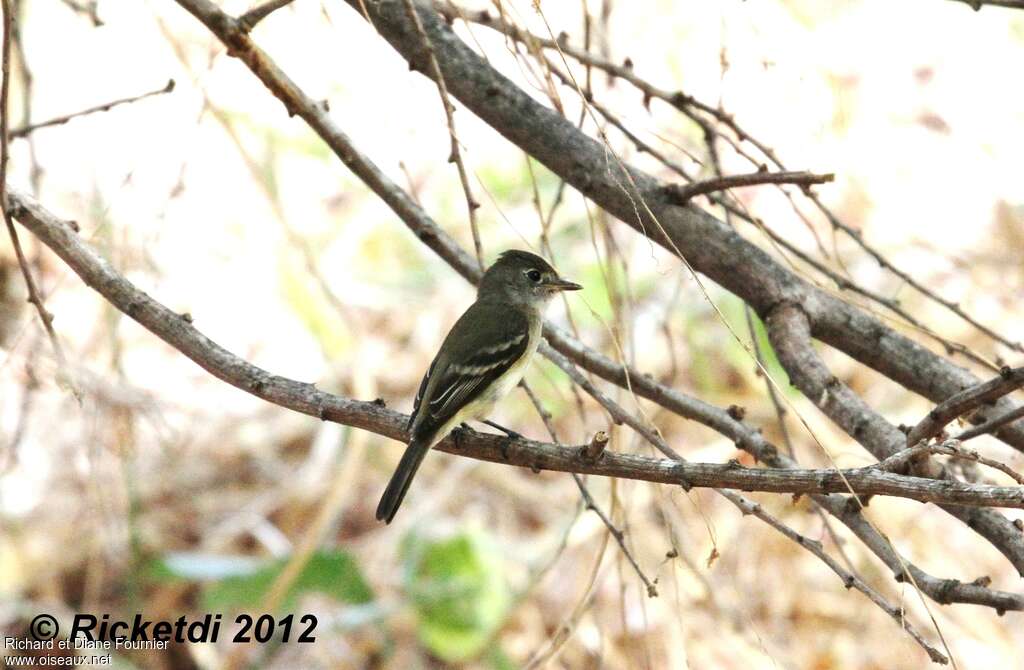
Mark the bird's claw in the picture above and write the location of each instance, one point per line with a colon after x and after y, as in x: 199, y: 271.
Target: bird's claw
x: 510, y: 437
x: 459, y: 433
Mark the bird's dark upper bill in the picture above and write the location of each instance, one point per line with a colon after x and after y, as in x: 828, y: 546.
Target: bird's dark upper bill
x: 563, y: 285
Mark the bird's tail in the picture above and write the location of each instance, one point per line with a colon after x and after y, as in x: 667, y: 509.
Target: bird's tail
x: 400, y: 481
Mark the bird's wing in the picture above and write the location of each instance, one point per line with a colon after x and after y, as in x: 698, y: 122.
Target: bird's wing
x: 482, y: 345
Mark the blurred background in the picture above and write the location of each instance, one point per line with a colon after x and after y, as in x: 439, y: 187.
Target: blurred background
x: 168, y: 492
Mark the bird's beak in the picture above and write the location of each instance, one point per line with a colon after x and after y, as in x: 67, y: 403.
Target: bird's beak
x: 562, y: 285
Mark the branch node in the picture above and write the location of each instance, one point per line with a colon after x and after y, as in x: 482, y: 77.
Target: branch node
x: 594, y: 451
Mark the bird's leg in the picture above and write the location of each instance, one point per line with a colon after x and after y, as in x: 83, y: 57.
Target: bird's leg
x: 510, y: 433
x: 510, y: 436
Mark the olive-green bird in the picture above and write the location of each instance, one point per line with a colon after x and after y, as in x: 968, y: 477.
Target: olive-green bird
x: 481, y: 360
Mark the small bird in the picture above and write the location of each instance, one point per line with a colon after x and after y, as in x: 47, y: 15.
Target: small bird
x: 483, y: 357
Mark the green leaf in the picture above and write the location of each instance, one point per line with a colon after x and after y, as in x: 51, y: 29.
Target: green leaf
x: 242, y: 585
x: 458, y: 589
x: 333, y: 573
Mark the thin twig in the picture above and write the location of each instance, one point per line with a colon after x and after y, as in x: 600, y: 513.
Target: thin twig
x: 249, y: 20
x: 597, y: 445
x: 88, y: 8
x: 683, y: 193
x: 63, y: 371
x: 850, y: 580
x: 1009, y: 380
x: 588, y: 500
x: 449, y: 111
x: 951, y: 447
x: 60, y: 120
x: 35, y: 173
x: 992, y: 426
x: 773, y: 394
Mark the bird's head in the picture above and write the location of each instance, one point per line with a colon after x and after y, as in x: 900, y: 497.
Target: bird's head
x: 523, y: 278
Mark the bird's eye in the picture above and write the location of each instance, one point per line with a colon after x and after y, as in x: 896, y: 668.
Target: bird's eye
x: 534, y: 275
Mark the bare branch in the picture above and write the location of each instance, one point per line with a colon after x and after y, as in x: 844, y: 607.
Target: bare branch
x: 249, y: 20
x: 696, y: 111
x: 455, y: 156
x: 963, y: 402
x: 789, y: 331
x: 976, y: 5
x: 86, y: 7
x: 60, y: 120
x: 683, y: 193
x: 992, y: 425
x: 595, y: 449
x: 850, y: 580
x: 179, y: 332
x: 63, y: 374
x: 897, y: 462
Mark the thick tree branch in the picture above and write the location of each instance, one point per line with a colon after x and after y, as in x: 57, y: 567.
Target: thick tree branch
x: 696, y: 110
x: 178, y: 331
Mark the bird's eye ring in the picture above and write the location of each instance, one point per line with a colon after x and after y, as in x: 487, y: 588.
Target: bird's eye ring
x: 534, y: 275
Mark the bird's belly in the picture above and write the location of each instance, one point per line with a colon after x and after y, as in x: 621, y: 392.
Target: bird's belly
x: 481, y: 407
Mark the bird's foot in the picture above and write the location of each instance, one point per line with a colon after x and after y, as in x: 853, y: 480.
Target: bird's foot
x: 459, y: 433
x: 510, y: 437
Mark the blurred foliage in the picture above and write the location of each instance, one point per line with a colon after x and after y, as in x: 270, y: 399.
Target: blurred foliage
x: 307, y: 301
x: 457, y: 587
x: 240, y: 583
